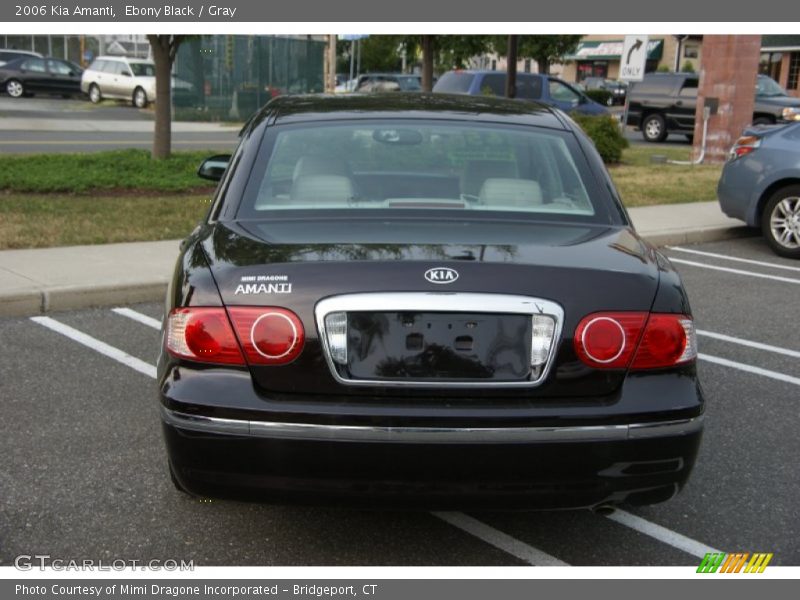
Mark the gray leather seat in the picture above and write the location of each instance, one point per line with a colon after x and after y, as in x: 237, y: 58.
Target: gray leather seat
x: 477, y: 171
x: 506, y: 192
x: 321, y: 189
x: 312, y: 164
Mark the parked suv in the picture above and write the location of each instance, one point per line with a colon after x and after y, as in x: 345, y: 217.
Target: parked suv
x: 665, y: 103
x: 530, y: 86
x: 616, y: 89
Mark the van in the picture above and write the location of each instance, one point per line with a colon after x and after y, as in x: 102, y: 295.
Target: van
x: 530, y: 86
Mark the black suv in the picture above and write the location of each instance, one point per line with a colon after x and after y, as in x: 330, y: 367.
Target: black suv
x: 665, y: 103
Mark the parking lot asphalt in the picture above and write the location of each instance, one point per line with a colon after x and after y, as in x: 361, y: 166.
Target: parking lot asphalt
x: 83, y: 470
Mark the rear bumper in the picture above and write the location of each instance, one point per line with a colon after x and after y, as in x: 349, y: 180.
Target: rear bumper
x: 567, y: 471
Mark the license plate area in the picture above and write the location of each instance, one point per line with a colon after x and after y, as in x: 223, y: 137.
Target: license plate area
x: 438, y: 346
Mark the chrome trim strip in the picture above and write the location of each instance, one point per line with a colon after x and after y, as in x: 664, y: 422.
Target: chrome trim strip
x: 429, y: 435
x: 650, y: 430
x: 439, y: 302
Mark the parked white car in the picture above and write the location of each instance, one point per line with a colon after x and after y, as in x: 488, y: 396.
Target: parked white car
x: 122, y: 78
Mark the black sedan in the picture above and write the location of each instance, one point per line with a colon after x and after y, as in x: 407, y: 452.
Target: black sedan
x: 29, y: 75
x: 424, y: 300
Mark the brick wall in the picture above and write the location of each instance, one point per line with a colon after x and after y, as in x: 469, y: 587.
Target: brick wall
x: 728, y: 73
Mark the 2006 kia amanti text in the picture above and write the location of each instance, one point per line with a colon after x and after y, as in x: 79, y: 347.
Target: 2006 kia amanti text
x: 424, y: 300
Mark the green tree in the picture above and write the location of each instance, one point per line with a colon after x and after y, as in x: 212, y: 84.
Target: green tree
x: 444, y: 52
x: 544, y: 49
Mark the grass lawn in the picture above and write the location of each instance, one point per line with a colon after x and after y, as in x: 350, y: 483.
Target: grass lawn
x: 37, y: 221
x: 642, y: 183
x: 110, y: 171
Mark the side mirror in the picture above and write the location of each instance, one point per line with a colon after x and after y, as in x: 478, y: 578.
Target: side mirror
x: 214, y: 167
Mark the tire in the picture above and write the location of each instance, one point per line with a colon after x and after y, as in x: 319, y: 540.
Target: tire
x: 654, y: 129
x: 139, y: 98
x: 780, y: 221
x: 763, y: 121
x: 94, y: 94
x: 14, y: 88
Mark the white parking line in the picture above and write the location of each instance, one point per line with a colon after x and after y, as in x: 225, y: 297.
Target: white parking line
x: 498, y: 539
x: 749, y: 261
x: 98, y: 346
x: 736, y: 271
x: 749, y: 368
x: 137, y: 316
x: 748, y: 343
x: 662, y: 534
x: 477, y: 528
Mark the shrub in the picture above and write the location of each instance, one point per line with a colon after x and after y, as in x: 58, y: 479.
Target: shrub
x: 605, y: 132
x: 601, y: 96
x: 663, y: 69
x: 688, y: 67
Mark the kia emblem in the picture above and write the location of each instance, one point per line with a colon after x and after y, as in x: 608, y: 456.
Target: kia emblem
x: 441, y: 275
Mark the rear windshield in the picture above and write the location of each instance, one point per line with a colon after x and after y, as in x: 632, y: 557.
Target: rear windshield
x: 454, y: 83
x: 414, y: 167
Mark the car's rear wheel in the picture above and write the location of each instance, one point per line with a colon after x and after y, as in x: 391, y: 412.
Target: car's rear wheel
x: 780, y: 221
x: 139, y: 98
x: 15, y: 89
x: 94, y: 94
x: 654, y: 129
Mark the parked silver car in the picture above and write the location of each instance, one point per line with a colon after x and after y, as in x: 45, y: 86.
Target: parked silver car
x: 120, y: 78
x: 760, y: 184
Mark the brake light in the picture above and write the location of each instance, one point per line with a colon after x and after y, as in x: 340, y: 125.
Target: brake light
x: 268, y: 335
x: 608, y: 340
x: 668, y: 340
x: 639, y: 340
x: 203, y: 335
x: 744, y: 145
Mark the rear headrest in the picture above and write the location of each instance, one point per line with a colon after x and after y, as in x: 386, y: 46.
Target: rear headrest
x: 477, y: 171
x: 320, y: 165
x: 322, y: 188
x: 498, y: 191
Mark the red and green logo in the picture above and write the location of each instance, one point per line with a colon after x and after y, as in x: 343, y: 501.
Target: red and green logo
x: 720, y: 562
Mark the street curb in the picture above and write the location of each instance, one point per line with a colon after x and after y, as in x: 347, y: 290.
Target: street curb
x: 71, y: 298
x: 699, y: 235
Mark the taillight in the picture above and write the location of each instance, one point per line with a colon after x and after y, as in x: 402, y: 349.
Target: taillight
x: 203, y: 335
x: 607, y: 340
x: 668, y: 340
x: 269, y: 335
x: 744, y: 145
x: 639, y: 340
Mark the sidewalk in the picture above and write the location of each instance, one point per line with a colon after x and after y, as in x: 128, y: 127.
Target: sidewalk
x: 51, y: 279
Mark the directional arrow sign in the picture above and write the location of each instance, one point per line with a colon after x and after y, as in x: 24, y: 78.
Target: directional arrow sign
x: 634, y: 57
